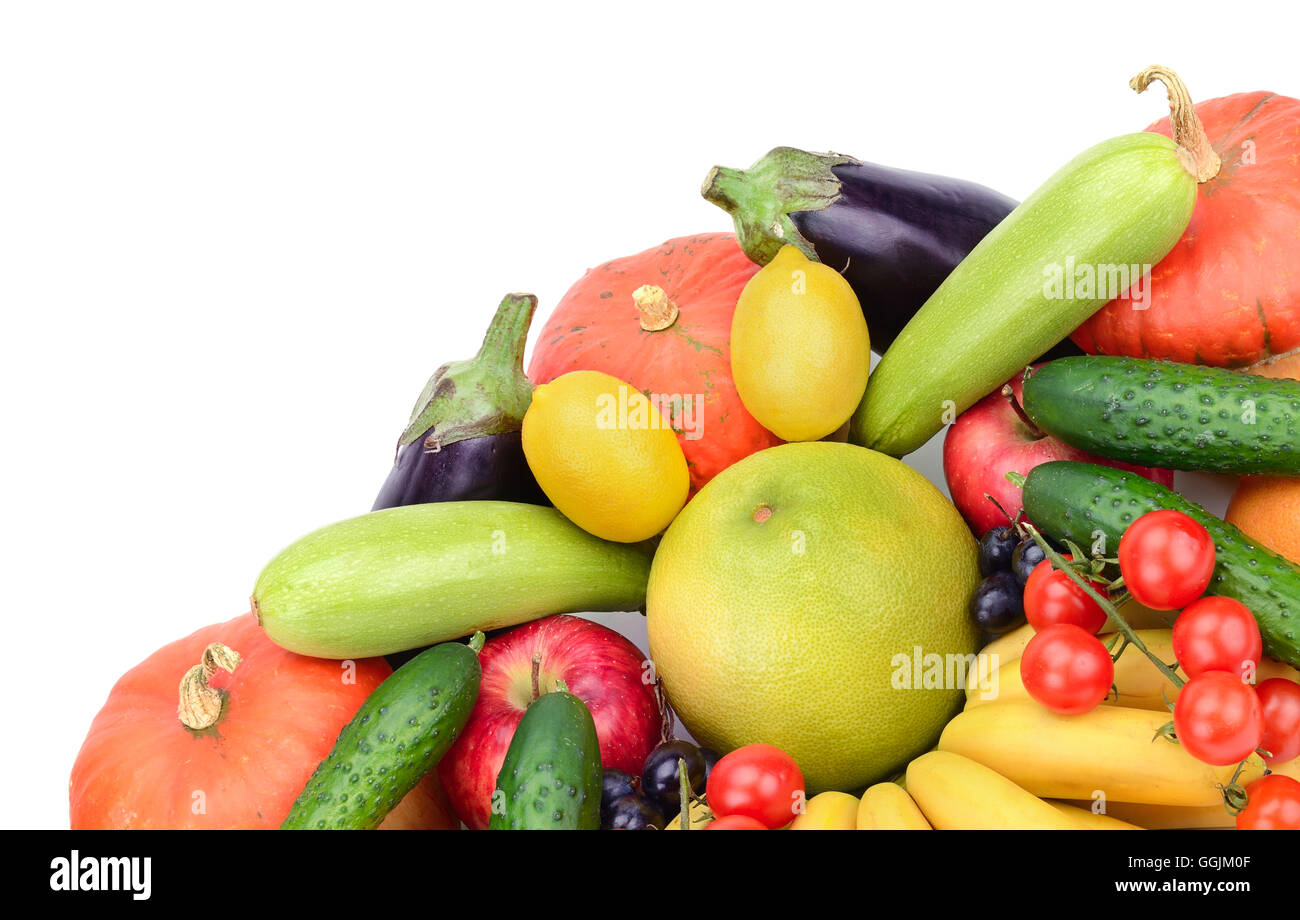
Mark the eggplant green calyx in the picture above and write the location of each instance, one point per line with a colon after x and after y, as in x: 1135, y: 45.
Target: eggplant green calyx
x: 761, y: 199
x: 486, y: 395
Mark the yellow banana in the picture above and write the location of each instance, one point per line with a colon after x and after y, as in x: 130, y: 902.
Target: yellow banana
x: 1291, y: 768
x: 1089, y: 820
x: 1268, y: 668
x: 1139, y: 617
x: 956, y: 793
x: 828, y: 811
x: 1168, y: 817
x: 888, y: 807
x: 1138, y: 680
x: 1177, y: 817
x: 995, y: 655
x: 1111, y: 749
x: 1010, y: 647
x: 1174, y: 817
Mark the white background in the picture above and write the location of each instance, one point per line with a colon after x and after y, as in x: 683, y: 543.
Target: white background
x: 235, y: 239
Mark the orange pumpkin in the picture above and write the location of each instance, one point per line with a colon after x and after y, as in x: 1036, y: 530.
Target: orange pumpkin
x: 1228, y: 294
x: 661, y: 320
x: 221, y: 729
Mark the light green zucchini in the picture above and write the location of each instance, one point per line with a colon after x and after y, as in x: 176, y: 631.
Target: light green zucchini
x: 407, y: 577
x: 1120, y: 204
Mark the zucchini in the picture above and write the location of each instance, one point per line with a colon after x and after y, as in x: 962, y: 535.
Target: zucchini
x: 551, y: 776
x: 1123, y: 203
x: 1083, y: 501
x: 1163, y: 414
x: 407, y: 577
x: 397, y: 736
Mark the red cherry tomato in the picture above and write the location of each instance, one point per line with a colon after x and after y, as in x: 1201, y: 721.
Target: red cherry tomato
x: 1218, y: 718
x: 1281, y: 701
x: 758, y: 781
x: 1166, y: 559
x: 1051, y: 597
x: 735, y: 823
x: 1274, y: 805
x: 1066, y: 669
x: 1217, y: 634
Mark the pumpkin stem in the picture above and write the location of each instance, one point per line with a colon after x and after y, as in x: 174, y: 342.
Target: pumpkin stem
x: 1194, y: 146
x: 656, y: 308
x: 201, y: 704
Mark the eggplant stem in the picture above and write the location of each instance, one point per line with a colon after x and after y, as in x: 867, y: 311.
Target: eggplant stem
x: 507, y: 334
x: 762, y: 198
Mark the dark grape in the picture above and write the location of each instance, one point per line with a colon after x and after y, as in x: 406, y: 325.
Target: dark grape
x: 615, y: 784
x: 659, y: 781
x: 998, y: 605
x: 996, y: 549
x: 1026, y: 557
x: 711, y: 757
x: 633, y: 813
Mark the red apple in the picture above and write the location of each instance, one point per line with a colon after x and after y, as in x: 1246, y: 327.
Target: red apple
x: 600, y: 666
x: 989, y: 440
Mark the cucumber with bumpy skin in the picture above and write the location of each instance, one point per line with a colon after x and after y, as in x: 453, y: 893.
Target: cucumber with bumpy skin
x: 397, y: 736
x: 1083, y: 502
x: 1164, y: 414
x: 551, y: 776
x: 404, y: 578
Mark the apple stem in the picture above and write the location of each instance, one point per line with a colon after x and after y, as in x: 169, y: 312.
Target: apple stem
x: 1013, y: 521
x: 537, y: 675
x: 1010, y: 396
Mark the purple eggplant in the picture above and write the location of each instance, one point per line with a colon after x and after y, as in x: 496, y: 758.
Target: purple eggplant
x: 463, y: 440
x: 892, y: 233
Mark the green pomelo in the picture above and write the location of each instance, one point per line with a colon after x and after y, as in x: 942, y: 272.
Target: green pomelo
x: 793, y: 598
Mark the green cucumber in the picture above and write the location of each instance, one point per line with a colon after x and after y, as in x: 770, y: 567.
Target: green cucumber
x: 407, y: 577
x: 1083, y: 502
x: 1163, y: 414
x: 1123, y: 203
x: 551, y: 776
x: 397, y: 736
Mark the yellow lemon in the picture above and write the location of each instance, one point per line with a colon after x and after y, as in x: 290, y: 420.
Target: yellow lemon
x: 800, y: 352
x: 605, y: 455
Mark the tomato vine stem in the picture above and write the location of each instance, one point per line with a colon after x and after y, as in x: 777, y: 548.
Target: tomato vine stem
x: 1112, y: 612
